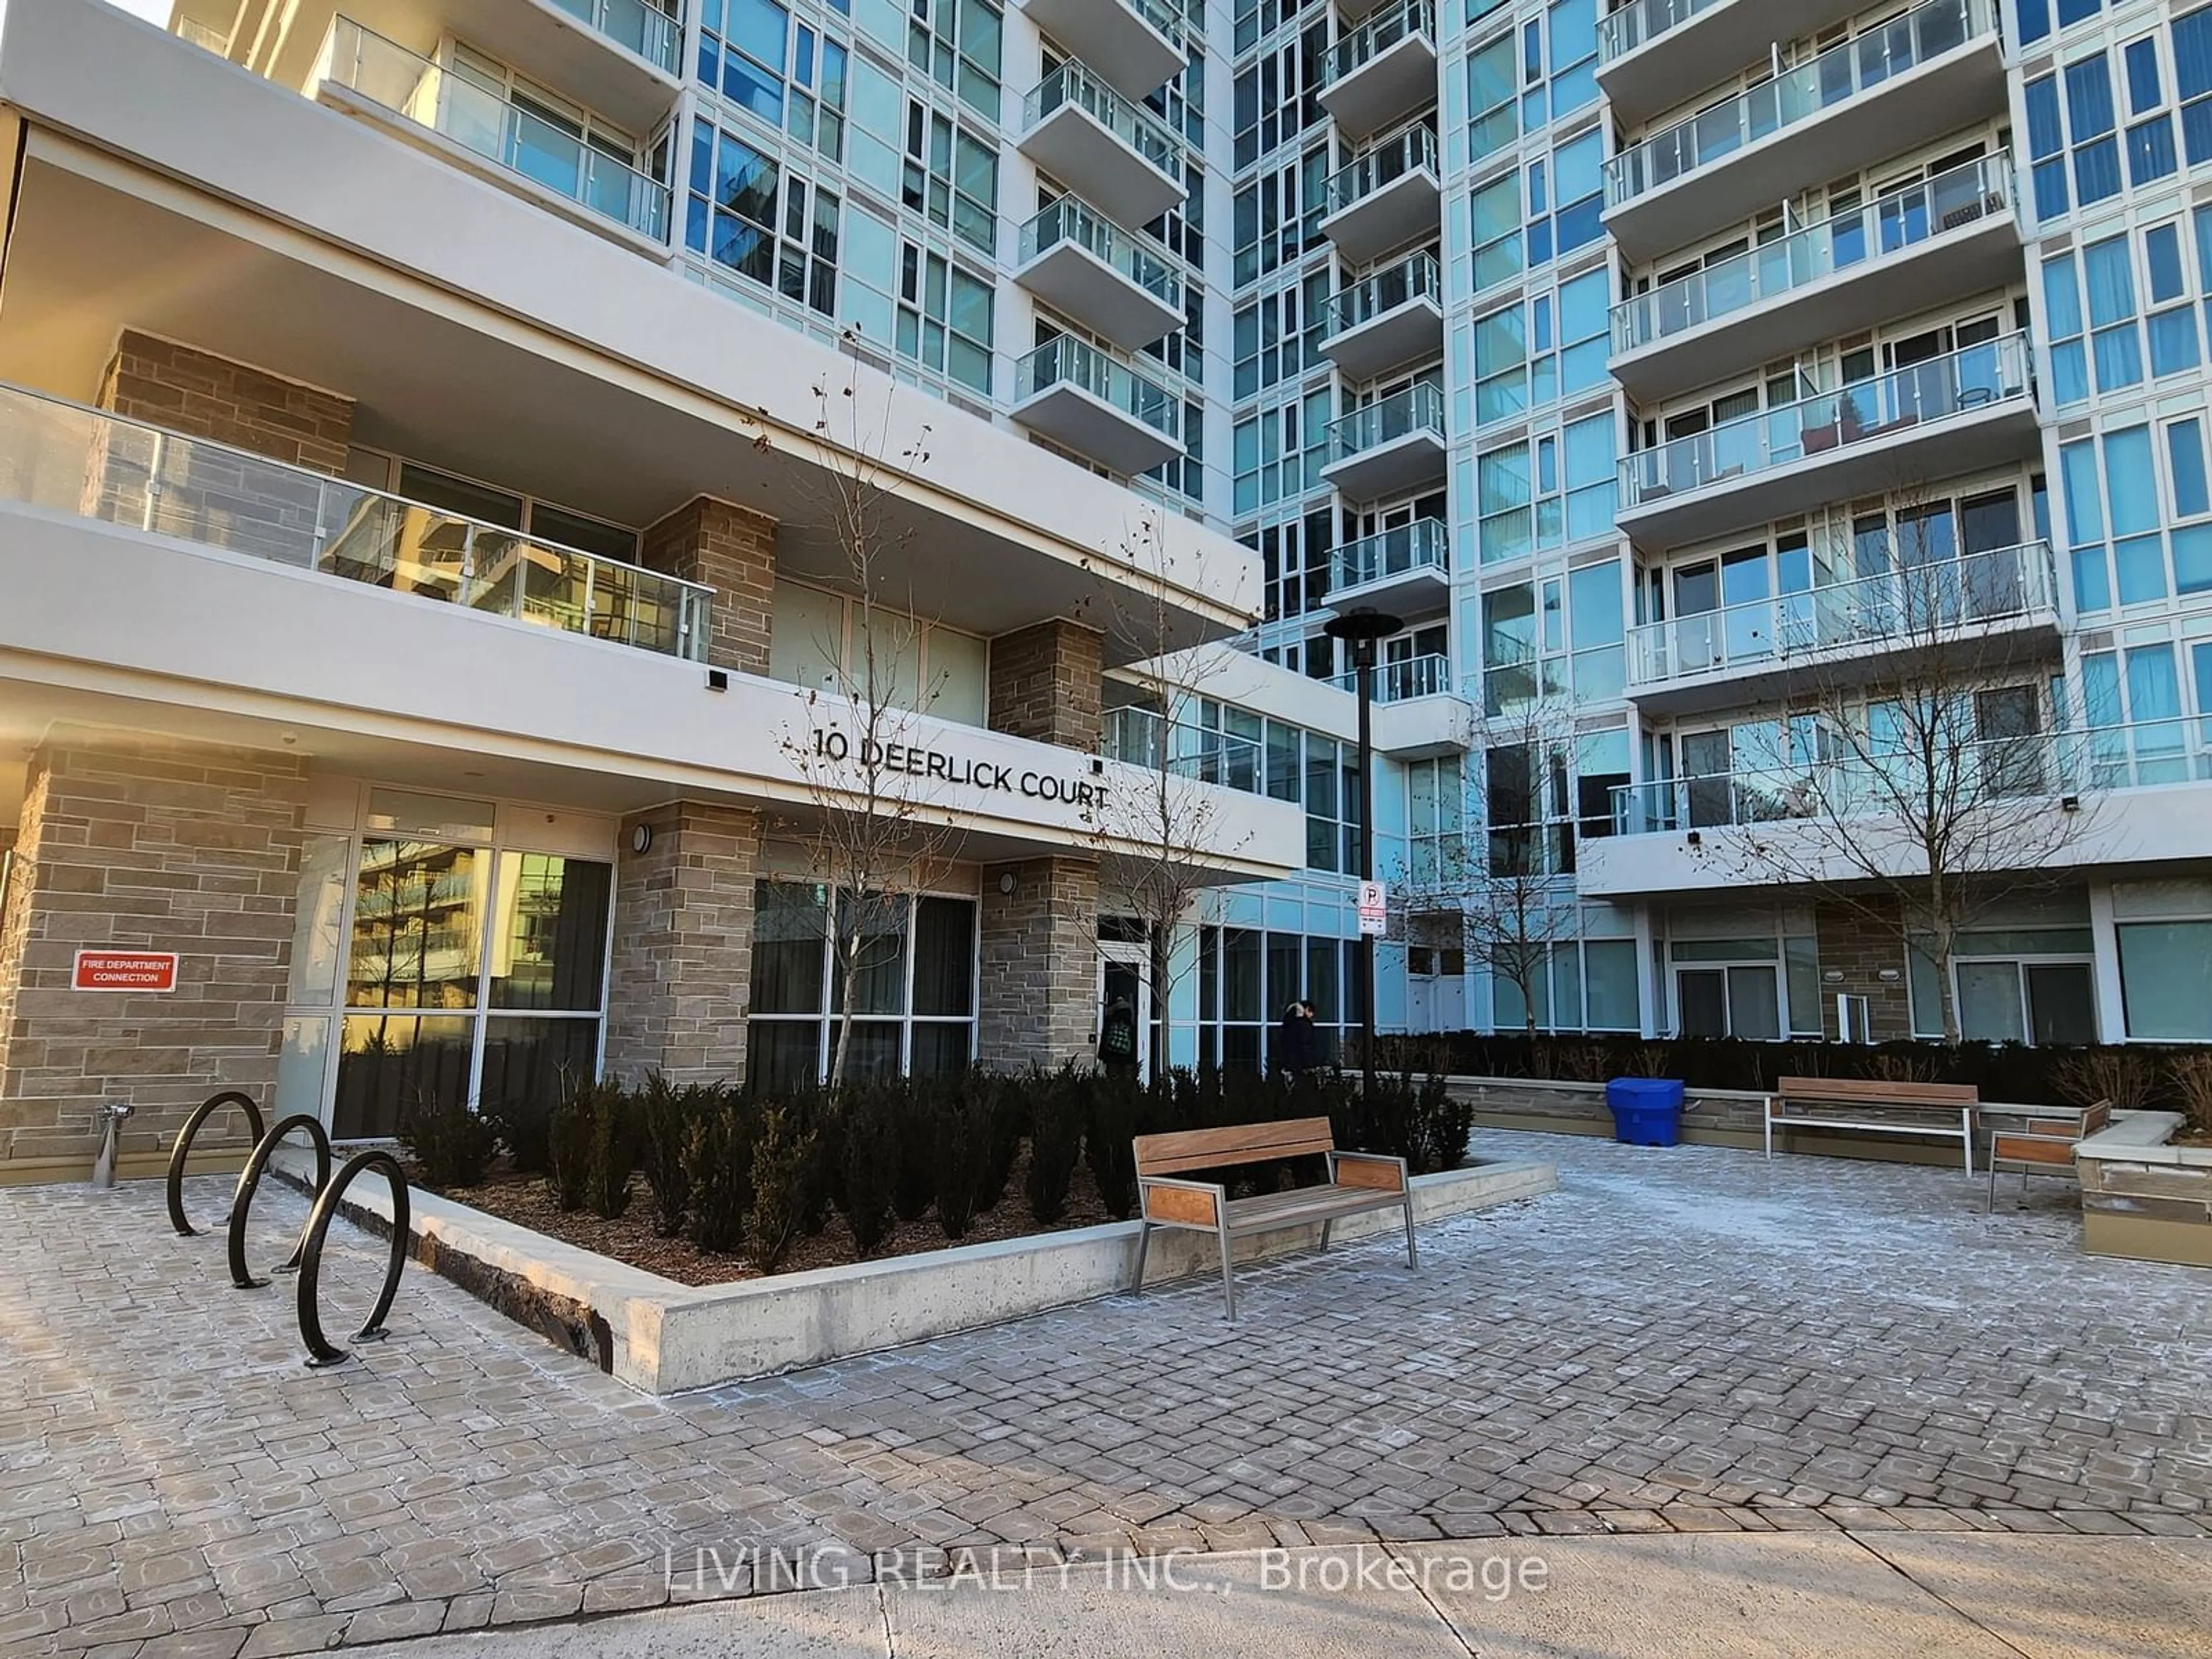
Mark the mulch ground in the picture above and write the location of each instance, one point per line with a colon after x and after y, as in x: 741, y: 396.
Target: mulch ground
x: 528, y: 1201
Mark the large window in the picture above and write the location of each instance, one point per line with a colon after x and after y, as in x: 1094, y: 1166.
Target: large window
x: 914, y: 984
x: 780, y: 70
x: 752, y: 216
x: 1246, y: 978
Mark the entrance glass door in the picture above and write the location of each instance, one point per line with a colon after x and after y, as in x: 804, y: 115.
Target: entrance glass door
x: 1125, y: 972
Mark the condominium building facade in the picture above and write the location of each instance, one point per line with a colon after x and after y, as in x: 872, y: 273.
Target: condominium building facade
x: 490, y: 482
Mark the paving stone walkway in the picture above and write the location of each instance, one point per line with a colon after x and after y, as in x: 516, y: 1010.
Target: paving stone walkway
x: 1686, y: 1340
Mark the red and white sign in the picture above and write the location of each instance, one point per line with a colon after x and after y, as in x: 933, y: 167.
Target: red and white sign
x: 1374, y: 910
x: 125, y: 970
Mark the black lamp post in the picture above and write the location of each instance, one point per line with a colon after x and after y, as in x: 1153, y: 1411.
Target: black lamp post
x: 1361, y: 630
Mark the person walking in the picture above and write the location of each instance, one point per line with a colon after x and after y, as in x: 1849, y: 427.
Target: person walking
x: 1297, y: 1045
x: 1117, y: 1038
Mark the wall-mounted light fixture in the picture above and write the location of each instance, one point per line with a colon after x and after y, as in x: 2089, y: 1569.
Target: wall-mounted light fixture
x: 2069, y: 803
x: 1694, y: 839
x: 1007, y: 883
x: 1889, y: 977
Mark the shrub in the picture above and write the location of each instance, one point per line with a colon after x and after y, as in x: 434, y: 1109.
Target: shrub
x: 867, y: 1154
x: 781, y: 1155
x: 1117, y: 1104
x: 524, y: 1125
x: 962, y: 1133
x: 595, y: 1145
x: 1010, y: 1122
x: 568, y: 1153
x: 1445, y: 1124
x: 2190, y: 1078
x: 665, y: 1114
x: 451, y: 1145
x: 1056, y: 1115
x: 915, y: 1107
x: 718, y: 1152
x: 2126, y: 1077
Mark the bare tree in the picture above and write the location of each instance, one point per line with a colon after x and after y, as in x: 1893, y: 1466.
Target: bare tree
x: 1916, y: 782
x: 876, y: 833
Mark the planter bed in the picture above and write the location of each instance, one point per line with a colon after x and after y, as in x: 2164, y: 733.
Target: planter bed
x: 661, y: 1336
x: 2144, y: 1197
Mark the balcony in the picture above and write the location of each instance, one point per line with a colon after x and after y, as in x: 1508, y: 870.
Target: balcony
x: 1387, y: 319
x: 1123, y: 285
x: 62, y: 459
x: 1387, y: 197
x: 1142, y: 737
x: 1076, y: 395
x: 1417, y: 716
x: 643, y: 30
x: 365, y: 75
x: 1934, y: 69
x: 1949, y: 416
x: 1383, y: 71
x: 1135, y: 46
x: 1404, y: 572
x: 1943, y: 240
x: 1391, y: 447
x: 1651, y: 50
x: 1116, y: 154
x: 1996, y: 609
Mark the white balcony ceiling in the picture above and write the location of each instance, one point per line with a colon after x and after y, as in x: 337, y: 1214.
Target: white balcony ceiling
x: 1394, y: 83
x: 1075, y: 283
x: 1409, y: 333
x: 1126, y: 51
x: 1408, y: 208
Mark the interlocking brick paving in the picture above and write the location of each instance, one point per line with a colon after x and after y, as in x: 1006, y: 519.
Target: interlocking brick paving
x: 1684, y: 1340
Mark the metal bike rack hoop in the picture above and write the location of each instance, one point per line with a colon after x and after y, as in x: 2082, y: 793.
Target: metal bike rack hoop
x: 319, y: 1351
x: 178, y: 1153
x: 249, y: 1180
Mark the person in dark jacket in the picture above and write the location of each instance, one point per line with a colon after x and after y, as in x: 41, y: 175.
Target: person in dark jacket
x: 1297, y: 1044
x: 1117, y: 1038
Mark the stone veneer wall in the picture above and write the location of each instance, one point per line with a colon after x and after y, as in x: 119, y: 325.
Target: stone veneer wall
x: 138, y: 844
x: 204, y: 396
x: 1047, y: 683
x: 1039, y: 964
x: 730, y: 550
x: 682, y: 980
x: 1853, y: 943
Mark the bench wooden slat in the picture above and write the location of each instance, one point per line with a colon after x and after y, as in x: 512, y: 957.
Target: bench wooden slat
x: 1239, y: 1143
x: 1303, y: 1204
x: 1185, y: 1204
x: 1868, y: 1091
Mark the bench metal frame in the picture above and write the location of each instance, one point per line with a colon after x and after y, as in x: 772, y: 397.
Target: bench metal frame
x: 1205, y: 1207
x: 1848, y: 1111
x: 2044, y: 1143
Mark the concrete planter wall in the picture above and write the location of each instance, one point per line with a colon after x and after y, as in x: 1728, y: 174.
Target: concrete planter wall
x: 661, y: 1337
x: 1711, y: 1117
x: 2144, y: 1199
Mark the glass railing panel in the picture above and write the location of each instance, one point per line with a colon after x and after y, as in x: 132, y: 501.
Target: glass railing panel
x: 1641, y: 21
x: 1407, y: 20
x: 1923, y: 602
x: 645, y: 29
x: 1973, y: 378
x: 1408, y: 151
x: 1141, y: 736
x: 1137, y: 258
x: 1405, y: 679
x: 63, y: 458
x: 1902, y: 220
x: 1068, y: 360
x: 1419, y: 408
x: 1836, y: 76
x: 1421, y: 545
x: 1137, y: 127
x: 1164, y: 19
x: 478, y: 119
x: 1385, y: 291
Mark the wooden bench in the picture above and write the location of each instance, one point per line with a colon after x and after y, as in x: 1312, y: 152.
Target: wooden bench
x: 1871, y: 1106
x: 1357, y: 1182
x: 2043, y: 1141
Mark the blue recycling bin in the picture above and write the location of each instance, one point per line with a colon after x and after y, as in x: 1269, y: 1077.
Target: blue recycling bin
x: 1647, y: 1111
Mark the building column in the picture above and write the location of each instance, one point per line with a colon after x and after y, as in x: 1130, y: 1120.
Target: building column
x: 135, y: 844
x: 1038, y: 965
x: 681, y: 984
x: 2112, y: 990
x: 1862, y: 953
x: 730, y: 550
x: 196, y: 393
x: 1047, y: 684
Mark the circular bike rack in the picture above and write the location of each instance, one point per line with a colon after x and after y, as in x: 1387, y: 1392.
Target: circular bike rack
x: 249, y: 1180
x: 178, y: 1153
x: 319, y: 1351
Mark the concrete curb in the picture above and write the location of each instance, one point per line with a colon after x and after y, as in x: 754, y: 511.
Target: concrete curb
x: 661, y: 1337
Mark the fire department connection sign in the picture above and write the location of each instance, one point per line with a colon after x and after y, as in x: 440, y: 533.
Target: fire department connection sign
x: 125, y: 970
x: 1374, y: 910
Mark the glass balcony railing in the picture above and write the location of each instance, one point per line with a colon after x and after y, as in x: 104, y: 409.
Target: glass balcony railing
x: 1405, y: 679
x: 1140, y: 259
x: 1924, y: 603
x: 61, y: 458
x: 1142, y: 737
x: 1842, y: 73
x: 1879, y: 230
x: 1994, y: 372
x: 1069, y: 362
x: 1423, y: 545
x: 2052, y: 764
x: 1405, y: 152
x: 1407, y: 20
x: 1134, y: 125
x: 523, y: 142
x: 1641, y: 21
x: 1419, y: 408
x: 1166, y: 20
x: 1383, y: 291
x: 645, y: 29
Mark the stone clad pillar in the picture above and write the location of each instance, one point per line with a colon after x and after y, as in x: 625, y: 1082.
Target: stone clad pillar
x: 1047, y: 683
x: 730, y: 550
x: 1039, y: 964
x: 681, y: 986
x: 167, y: 384
x: 1853, y: 944
x: 128, y: 843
